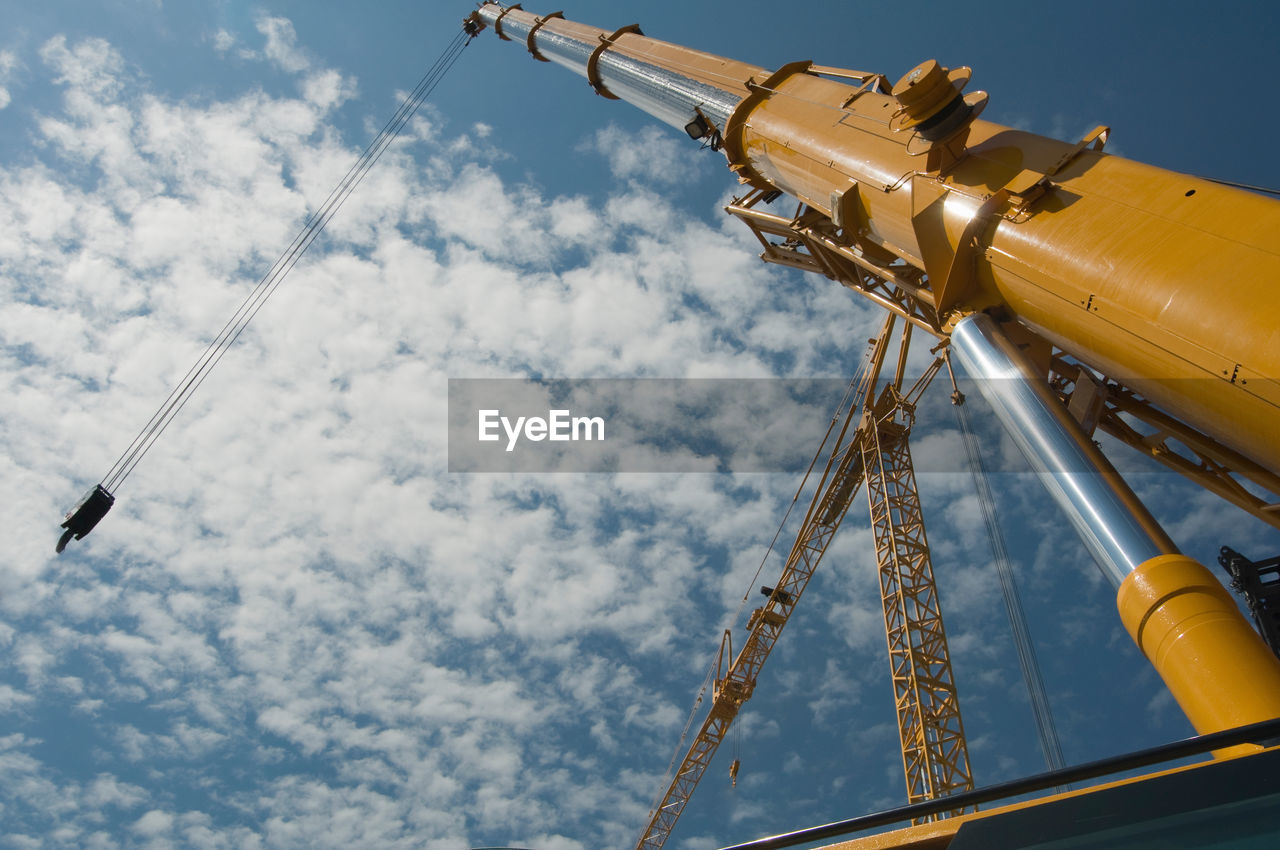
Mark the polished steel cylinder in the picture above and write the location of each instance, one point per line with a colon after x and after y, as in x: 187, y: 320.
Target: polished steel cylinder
x: 1118, y: 531
x: 666, y: 94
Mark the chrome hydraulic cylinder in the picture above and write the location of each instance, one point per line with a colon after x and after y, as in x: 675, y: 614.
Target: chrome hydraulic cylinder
x: 1116, y: 528
x: 672, y: 97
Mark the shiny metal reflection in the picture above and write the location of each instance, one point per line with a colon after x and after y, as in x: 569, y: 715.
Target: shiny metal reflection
x: 1116, y: 528
x: 666, y: 95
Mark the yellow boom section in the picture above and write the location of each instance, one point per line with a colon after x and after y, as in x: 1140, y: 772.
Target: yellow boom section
x: 1161, y: 282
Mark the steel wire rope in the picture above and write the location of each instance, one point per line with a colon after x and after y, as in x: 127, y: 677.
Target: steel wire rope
x: 1025, y: 647
x: 314, y: 225
x: 266, y: 286
x: 1248, y: 186
x: 858, y: 379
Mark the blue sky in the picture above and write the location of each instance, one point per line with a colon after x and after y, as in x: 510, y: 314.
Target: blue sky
x: 296, y: 629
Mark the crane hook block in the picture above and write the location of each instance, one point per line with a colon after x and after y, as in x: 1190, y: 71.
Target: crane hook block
x: 81, y: 519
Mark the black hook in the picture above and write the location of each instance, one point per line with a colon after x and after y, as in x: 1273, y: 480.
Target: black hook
x: 81, y: 519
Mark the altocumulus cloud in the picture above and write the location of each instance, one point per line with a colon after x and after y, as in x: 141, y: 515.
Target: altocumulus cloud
x: 295, y: 629
x: 8, y: 64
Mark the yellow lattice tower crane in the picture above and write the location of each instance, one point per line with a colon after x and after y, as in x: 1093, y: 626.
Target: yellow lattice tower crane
x: 935, y: 756
x: 871, y: 446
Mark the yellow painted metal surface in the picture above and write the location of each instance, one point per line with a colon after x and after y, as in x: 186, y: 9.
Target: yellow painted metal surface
x: 1164, y: 282
x: 1159, y: 280
x: 1187, y: 625
x: 938, y: 834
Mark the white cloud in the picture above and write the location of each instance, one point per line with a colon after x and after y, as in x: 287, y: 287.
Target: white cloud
x: 91, y: 67
x: 154, y: 824
x: 328, y: 89
x: 11, y: 698
x: 281, y: 47
x: 223, y: 41
x: 8, y: 64
x: 654, y: 153
x: 106, y: 790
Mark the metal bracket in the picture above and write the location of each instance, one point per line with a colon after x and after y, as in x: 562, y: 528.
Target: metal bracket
x: 847, y: 211
x: 960, y: 275
x: 714, y: 138
x: 1029, y: 185
x: 537, y: 25
x: 1088, y: 401
x: 1133, y: 421
x: 810, y: 246
x: 1094, y: 140
x: 734, y: 143
x: 1256, y: 581
x: 593, y: 64
x: 497, y: 24
x: 871, y: 83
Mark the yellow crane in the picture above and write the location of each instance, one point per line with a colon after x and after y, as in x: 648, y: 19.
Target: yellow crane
x: 1080, y: 290
x: 876, y: 451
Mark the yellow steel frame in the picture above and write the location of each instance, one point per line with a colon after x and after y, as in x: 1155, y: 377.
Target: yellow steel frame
x: 810, y: 242
x: 935, y: 756
x: 1117, y: 263
x: 1131, y: 419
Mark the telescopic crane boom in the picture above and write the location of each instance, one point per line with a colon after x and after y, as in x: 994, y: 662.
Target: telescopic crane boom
x: 1159, y: 281
x: 1080, y: 290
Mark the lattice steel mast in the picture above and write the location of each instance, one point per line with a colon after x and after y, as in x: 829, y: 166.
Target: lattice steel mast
x: 935, y: 756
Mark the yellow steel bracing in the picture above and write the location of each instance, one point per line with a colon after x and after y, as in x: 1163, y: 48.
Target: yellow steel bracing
x: 935, y: 757
x: 809, y: 241
x: 1157, y: 282
x: 731, y: 690
x: 1102, y: 403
